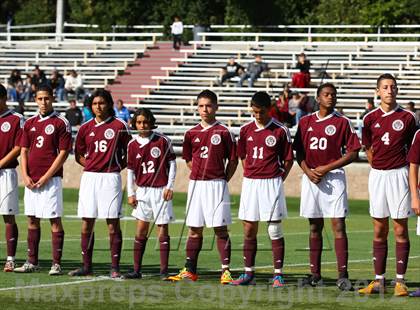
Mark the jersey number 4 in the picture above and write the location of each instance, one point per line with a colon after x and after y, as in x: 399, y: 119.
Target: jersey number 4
x: 385, y: 138
x: 318, y: 144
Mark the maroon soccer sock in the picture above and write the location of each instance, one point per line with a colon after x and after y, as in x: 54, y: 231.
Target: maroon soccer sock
x: 278, y: 253
x: 164, y: 247
x: 87, y: 243
x: 139, y: 248
x: 250, y: 251
x: 402, y: 251
x: 57, y: 241
x: 115, y: 244
x: 315, y: 253
x: 224, y: 248
x: 342, y: 255
x: 34, y: 235
x: 193, y: 249
x: 380, y: 254
x: 12, y: 235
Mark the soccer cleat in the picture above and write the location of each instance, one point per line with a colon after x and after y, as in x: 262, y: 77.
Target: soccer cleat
x: 115, y: 273
x: 344, y: 284
x: 400, y: 289
x: 80, y: 272
x: 55, y: 270
x: 374, y: 287
x: 226, y: 277
x: 9, y: 266
x: 184, y: 274
x: 415, y: 293
x: 27, y: 267
x: 164, y: 276
x: 132, y: 275
x: 311, y: 280
x: 244, y: 279
x: 278, y: 281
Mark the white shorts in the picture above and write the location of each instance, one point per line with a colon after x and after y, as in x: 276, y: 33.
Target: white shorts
x: 389, y: 193
x: 9, y: 193
x: 208, y: 203
x: 151, y: 206
x: 45, y: 202
x: 100, y: 195
x: 418, y: 226
x: 327, y: 199
x: 262, y: 200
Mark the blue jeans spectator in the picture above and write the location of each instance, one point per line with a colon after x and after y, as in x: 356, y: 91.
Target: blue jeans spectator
x: 252, y: 77
x: 59, y: 94
x: 12, y: 94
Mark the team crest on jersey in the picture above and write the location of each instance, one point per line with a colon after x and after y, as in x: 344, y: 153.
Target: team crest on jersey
x: 49, y: 129
x: 397, y: 125
x: 109, y: 133
x: 270, y: 141
x: 330, y: 130
x: 5, y: 127
x: 155, y: 152
x: 215, y: 139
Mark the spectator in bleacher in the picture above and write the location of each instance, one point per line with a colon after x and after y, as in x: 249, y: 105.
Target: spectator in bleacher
x: 280, y: 108
x: 20, y: 108
x: 253, y: 71
x: 411, y: 106
x: 177, y: 28
x: 73, y: 114
x: 38, y: 79
x: 57, y: 84
x: 370, y: 105
x: 121, y: 111
x: 297, y: 106
x: 14, y: 86
x: 73, y: 85
x: 231, y: 70
x: 302, y: 79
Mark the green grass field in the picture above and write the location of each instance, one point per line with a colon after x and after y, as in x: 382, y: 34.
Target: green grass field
x: 40, y: 291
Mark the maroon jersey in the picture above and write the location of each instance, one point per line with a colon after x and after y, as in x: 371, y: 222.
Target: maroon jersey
x: 150, y: 161
x: 389, y: 135
x: 322, y: 141
x: 45, y: 137
x: 208, y: 148
x: 103, y: 145
x: 11, y: 124
x: 264, y: 149
x: 414, y: 153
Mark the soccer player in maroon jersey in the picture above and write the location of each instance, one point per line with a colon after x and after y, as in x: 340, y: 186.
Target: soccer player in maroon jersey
x: 45, y: 143
x: 101, y: 145
x: 414, y: 160
x: 210, y: 152
x: 319, y: 141
x: 11, y: 124
x: 387, y: 134
x: 151, y: 166
x: 265, y: 149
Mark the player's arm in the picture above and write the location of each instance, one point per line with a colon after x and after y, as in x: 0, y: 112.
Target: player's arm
x: 231, y: 168
x: 12, y: 155
x: 29, y: 183
x: 168, y: 192
x: 80, y: 159
x: 287, y: 167
x: 56, y: 165
x: 131, y: 194
x: 369, y: 154
x: 349, y: 157
x: 308, y: 171
x: 189, y: 164
x: 414, y: 181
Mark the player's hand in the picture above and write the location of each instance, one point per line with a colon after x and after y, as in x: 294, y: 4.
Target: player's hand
x: 41, y: 182
x: 415, y: 205
x: 312, y: 176
x: 132, y: 201
x: 320, y: 171
x: 29, y: 183
x: 369, y: 155
x: 168, y: 194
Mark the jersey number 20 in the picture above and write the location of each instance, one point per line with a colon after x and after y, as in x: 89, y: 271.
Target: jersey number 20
x: 318, y: 144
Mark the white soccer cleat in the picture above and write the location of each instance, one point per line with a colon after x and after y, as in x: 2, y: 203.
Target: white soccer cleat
x: 27, y: 268
x: 55, y: 270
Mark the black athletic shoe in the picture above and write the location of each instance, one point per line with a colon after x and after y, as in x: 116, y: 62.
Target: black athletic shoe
x: 311, y: 280
x: 132, y: 275
x: 81, y: 272
x: 344, y: 284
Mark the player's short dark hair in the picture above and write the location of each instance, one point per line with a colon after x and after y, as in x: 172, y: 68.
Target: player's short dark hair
x: 209, y: 95
x: 45, y: 88
x: 147, y: 114
x: 3, y: 91
x: 108, y: 99
x: 385, y: 76
x: 261, y: 100
x: 325, y: 85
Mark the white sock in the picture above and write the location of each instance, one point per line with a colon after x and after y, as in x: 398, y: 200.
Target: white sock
x: 379, y: 277
x: 12, y: 258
